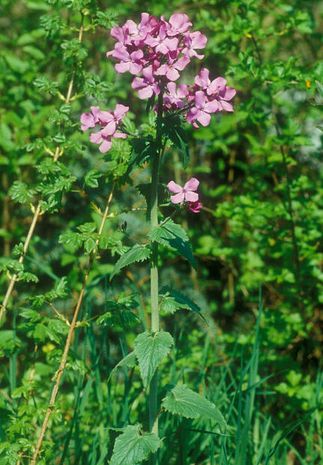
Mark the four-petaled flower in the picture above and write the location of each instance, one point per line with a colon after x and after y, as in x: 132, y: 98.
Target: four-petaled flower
x: 184, y: 194
x: 108, y: 123
x: 146, y: 86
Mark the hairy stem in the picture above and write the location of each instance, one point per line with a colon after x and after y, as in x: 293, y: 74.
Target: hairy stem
x: 154, y: 288
x: 69, y: 338
x: 37, y: 210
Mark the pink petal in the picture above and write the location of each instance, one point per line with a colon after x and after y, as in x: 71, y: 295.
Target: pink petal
x: 171, y: 44
x: 109, y: 129
x: 105, y: 146
x: 191, y: 196
x: 122, y: 67
x: 226, y: 106
x: 171, y: 87
x: 172, y: 74
x: 202, y: 79
x: 119, y: 135
x: 204, y: 118
x: 229, y: 93
x: 217, y: 85
x: 137, y: 83
x: 212, y: 107
x: 173, y: 187
x: 178, y: 198
x: 96, y: 137
x: 182, y: 63
x: 199, y: 40
x: 192, y: 184
x: 120, y: 111
x: 162, y: 70
x: 200, y: 99
x: 105, y: 116
x: 135, y: 68
x: 145, y: 92
x: 148, y: 73
x: 87, y: 121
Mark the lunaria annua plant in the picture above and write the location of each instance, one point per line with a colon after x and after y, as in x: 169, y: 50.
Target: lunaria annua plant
x: 156, y: 52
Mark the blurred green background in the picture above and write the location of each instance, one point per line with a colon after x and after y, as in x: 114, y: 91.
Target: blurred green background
x: 260, y: 173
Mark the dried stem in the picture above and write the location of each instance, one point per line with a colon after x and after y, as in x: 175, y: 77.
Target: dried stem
x: 69, y: 337
x: 37, y: 210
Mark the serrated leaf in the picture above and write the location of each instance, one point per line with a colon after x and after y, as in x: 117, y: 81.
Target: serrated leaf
x: 71, y: 240
x: 173, y: 236
x: 134, y: 446
x: 21, y: 193
x: 129, y: 361
x: 172, y: 300
x: 138, y: 253
x: 150, y: 350
x: 182, y: 401
x: 91, y: 178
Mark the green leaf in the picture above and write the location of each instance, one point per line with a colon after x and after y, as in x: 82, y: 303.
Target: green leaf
x: 129, y: 361
x: 173, y: 236
x: 172, y: 300
x: 71, y: 241
x: 91, y: 178
x: 150, y: 349
x: 184, y: 402
x: 134, y: 446
x: 138, y: 253
x: 177, y: 135
x: 21, y: 193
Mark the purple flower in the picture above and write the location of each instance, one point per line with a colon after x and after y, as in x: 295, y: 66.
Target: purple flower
x: 178, y: 24
x: 89, y: 120
x: 162, y: 44
x: 170, y: 69
x: 194, y: 41
x: 186, y: 193
x: 147, y: 85
x: 195, y: 207
x: 175, y: 96
x: 222, y: 93
x: 105, y: 140
x: 108, y: 123
x: 131, y: 62
x: 202, y: 109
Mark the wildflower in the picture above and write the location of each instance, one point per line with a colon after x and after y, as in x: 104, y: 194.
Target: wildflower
x: 108, y: 122
x: 175, y: 96
x: 155, y: 50
x: 194, y: 41
x: 147, y: 85
x: 90, y: 119
x: 131, y: 62
x: 178, y: 24
x: 202, y: 109
x: 184, y: 194
x: 195, y: 207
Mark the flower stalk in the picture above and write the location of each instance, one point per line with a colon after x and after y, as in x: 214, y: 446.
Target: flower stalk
x: 154, y: 278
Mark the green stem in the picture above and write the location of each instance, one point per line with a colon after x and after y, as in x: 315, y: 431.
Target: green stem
x: 154, y: 290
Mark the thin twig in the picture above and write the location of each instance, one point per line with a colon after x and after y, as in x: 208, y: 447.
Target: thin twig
x: 37, y: 212
x: 69, y: 337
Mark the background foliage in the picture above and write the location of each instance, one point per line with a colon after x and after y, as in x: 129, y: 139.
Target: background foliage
x: 260, y: 175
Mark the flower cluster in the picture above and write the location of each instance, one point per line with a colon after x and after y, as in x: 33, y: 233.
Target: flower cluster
x: 155, y: 51
x: 186, y: 194
x: 107, y: 122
